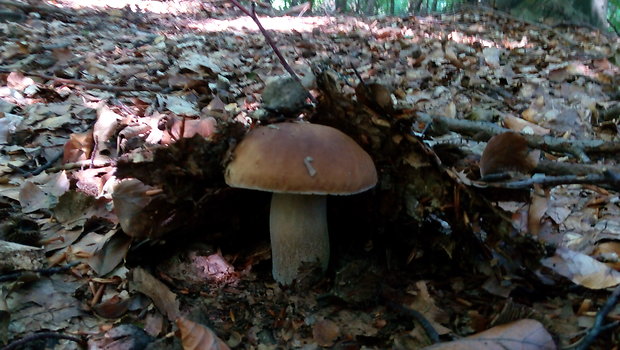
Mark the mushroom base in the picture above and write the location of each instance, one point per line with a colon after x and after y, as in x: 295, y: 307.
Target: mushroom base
x: 298, y: 226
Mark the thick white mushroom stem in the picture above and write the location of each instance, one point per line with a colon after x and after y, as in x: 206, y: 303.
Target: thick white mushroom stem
x: 298, y: 225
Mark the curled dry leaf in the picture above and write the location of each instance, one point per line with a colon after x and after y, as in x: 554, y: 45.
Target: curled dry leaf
x: 33, y: 197
x: 582, y: 269
x: 79, y: 147
x: 203, y: 127
x: 538, y: 207
x: 112, y: 308
x: 109, y: 254
x: 521, y: 125
x: 105, y: 127
x: 524, y: 334
x: 608, y: 251
x: 195, y: 336
x: 507, y: 152
x: 130, y: 197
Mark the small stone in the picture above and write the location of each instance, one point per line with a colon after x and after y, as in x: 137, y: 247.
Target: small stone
x: 284, y: 95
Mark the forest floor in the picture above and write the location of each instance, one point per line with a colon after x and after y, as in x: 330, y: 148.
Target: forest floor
x: 90, y: 95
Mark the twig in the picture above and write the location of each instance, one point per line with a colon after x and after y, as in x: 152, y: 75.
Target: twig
x: 85, y: 84
x: 485, y: 130
x: 419, y: 318
x: 271, y: 43
x: 43, y: 272
x: 42, y: 335
x: 78, y: 165
x: 550, y: 167
x: 38, y: 170
x: 607, y: 178
x: 598, y: 326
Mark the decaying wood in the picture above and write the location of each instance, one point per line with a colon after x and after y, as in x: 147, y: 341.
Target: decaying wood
x: 20, y: 257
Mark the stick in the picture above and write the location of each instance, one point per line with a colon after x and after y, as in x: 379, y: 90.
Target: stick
x: 598, y: 326
x: 38, y: 170
x: 43, y: 272
x: 42, y: 335
x: 577, y: 148
x: 83, y: 83
x: 607, y: 178
x: 271, y: 43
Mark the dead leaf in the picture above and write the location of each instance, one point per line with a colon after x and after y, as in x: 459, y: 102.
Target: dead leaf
x: 18, y: 81
x: 72, y: 207
x: 8, y: 124
x: 524, y: 334
x: 538, y: 207
x: 325, y: 332
x: 582, y: 269
x: 524, y: 126
x: 79, y: 147
x: 112, y: 308
x: 195, y: 336
x: 105, y: 127
x: 130, y: 197
x: 608, y: 252
x: 203, y: 127
x: 110, y: 253
x: 33, y: 197
x: 491, y: 56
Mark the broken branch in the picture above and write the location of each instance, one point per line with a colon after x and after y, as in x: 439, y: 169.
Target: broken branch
x: 577, y: 148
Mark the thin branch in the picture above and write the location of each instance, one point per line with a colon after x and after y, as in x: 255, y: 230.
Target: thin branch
x: 430, y: 331
x: 43, y: 272
x: 607, y: 178
x: 271, y: 43
x: 42, y: 335
x: 598, y: 326
x: 485, y: 130
x: 83, y: 83
x: 38, y: 170
x: 79, y: 165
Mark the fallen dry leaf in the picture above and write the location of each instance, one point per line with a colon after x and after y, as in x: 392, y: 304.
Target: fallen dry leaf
x: 195, y: 336
x: 130, y: 197
x: 110, y: 253
x: 325, y: 332
x: 582, y: 269
x: 524, y: 334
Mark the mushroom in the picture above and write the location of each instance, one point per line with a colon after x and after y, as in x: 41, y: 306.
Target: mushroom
x: 300, y: 163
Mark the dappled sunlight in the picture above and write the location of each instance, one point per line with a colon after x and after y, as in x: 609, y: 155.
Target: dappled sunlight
x: 244, y: 23
x: 170, y: 7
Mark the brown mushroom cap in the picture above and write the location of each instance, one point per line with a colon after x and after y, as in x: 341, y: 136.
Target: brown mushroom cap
x: 301, y: 158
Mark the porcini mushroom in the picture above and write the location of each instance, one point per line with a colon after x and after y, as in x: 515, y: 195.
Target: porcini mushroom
x: 300, y: 163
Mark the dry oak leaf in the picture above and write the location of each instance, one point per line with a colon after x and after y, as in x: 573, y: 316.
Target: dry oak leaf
x: 582, y: 269
x: 195, y: 336
x: 524, y: 334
